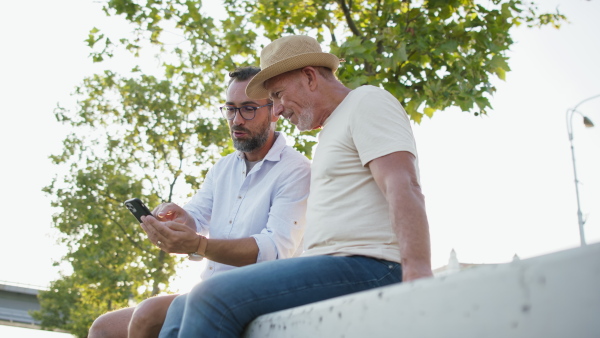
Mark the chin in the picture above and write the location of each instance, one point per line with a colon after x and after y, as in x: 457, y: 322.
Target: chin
x: 304, y: 126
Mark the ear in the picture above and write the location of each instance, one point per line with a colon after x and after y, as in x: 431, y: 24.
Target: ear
x: 310, y: 74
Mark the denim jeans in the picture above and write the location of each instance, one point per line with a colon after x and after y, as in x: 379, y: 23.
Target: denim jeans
x: 225, y: 304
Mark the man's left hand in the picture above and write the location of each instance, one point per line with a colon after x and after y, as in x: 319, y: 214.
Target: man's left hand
x: 170, y: 236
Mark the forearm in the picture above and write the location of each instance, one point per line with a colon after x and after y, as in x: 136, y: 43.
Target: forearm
x: 395, y: 175
x: 408, y: 217
x: 236, y: 252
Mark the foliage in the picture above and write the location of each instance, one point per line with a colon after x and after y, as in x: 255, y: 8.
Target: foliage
x: 153, y: 136
x: 134, y: 137
x: 430, y: 54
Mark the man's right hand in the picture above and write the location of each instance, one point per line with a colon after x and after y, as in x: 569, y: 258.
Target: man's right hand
x: 172, y: 212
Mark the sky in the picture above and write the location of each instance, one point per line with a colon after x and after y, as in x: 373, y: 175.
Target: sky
x: 495, y: 186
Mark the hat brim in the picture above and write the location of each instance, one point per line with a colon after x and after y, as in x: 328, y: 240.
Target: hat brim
x: 256, y: 89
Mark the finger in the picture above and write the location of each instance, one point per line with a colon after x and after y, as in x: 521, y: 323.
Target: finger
x: 178, y: 227
x: 167, y: 211
x: 150, y: 233
x: 167, y: 216
x: 173, y: 236
x: 149, y: 226
x: 163, y: 231
x: 158, y: 212
x: 182, y: 239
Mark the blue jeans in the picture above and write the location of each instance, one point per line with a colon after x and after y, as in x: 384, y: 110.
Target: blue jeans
x: 225, y: 304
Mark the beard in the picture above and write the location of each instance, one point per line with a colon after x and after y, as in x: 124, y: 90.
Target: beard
x: 256, y: 141
x: 306, y: 119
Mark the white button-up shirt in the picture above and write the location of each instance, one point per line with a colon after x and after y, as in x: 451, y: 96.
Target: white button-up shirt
x: 268, y: 204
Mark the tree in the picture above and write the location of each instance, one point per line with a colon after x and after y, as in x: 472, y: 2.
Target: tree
x: 430, y: 54
x: 133, y: 137
x: 153, y: 136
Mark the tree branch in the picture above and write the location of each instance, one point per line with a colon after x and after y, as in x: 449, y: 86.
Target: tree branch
x: 348, y: 17
x: 156, y: 283
x: 123, y: 230
x: 176, y: 176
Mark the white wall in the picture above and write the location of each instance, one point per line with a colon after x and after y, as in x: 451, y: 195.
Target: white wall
x: 556, y: 295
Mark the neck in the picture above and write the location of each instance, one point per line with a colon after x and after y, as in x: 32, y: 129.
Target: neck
x: 260, y: 153
x: 335, y: 93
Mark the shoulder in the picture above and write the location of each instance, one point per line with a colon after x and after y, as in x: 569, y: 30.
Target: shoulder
x: 225, y: 162
x: 289, y: 155
x: 294, y: 170
x: 365, y: 101
x: 370, y: 101
x: 285, y: 154
x: 371, y: 92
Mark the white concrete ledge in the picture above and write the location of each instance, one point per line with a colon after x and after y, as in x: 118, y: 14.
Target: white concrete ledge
x: 556, y: 295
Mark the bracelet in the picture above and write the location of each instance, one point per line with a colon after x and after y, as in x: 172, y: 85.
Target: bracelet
x: 199, y: 254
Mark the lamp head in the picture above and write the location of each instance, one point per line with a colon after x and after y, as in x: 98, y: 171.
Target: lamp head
x: 587, y: 122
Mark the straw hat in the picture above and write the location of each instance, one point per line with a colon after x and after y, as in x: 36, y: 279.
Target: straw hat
x: 286, y: 54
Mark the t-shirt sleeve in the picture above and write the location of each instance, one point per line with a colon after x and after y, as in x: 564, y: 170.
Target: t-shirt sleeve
x: 380, y: 126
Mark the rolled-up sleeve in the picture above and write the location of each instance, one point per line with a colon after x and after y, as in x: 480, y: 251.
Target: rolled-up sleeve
x: 200, y: 206
x: 284, y: 231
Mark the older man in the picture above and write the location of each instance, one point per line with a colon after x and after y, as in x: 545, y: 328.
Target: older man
x: 252, y: 205
x: 366, y: 220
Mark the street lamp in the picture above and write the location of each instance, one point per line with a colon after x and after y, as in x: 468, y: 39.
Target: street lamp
x: 588, y: 123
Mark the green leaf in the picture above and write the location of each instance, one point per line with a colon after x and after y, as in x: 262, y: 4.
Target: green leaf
x: 429, y: 111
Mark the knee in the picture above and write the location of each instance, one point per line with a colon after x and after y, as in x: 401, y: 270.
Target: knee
x: 111, y: 324
x: 100, y: 328
x: 143, y: 313
x: 148, y: 315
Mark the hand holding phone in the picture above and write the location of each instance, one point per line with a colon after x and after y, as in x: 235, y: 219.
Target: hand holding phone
x: 137, y: 208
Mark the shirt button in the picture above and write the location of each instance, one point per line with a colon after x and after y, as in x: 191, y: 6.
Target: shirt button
x: 210, y: 268
x: 230, y: 222
x: 240, y: 197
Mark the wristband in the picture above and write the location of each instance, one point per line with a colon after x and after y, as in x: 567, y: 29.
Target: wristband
x: 199, y: 254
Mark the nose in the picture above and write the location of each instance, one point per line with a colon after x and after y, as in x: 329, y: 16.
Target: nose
x: 277, y: 109
x: 238, y: 119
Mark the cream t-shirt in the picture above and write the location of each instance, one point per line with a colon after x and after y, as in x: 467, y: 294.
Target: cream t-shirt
x: 347, y: 213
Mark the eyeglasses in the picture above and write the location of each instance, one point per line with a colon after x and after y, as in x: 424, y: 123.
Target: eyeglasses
x: 247, y: 112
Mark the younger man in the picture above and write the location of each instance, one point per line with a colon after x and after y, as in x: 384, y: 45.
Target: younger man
x: 252, y: 205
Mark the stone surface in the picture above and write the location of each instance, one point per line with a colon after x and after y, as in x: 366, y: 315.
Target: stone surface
x: 556, y: 295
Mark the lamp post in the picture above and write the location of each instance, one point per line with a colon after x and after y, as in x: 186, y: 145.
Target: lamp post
x: 588, y: 123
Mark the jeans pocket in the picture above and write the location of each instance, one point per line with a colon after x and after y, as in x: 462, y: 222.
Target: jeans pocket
x: 391, y: 271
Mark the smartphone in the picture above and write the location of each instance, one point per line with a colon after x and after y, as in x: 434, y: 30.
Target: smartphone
x: 137, y: 208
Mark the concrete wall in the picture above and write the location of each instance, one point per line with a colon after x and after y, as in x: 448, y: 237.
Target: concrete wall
x: 556, y: 295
